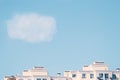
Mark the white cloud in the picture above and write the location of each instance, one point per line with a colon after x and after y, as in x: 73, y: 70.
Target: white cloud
x: 31, y: 27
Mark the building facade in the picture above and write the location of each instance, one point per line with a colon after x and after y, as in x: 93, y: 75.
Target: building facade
x: 94, y: 71
x: 37, y: 73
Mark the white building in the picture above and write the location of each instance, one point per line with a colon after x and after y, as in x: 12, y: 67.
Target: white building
x: 37, y: 73
x: 95, y: 71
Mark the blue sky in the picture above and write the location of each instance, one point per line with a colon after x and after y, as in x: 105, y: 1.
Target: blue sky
x: 78, y: 32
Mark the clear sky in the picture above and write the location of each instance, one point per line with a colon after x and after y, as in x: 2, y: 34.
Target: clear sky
x: 58, y: 34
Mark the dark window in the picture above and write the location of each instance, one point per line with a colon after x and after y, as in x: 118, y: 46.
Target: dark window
x: 44, y: 79
x: 83, y: 75
x: 38, y: 78
x: 73, y: 75
x: 114, y: 76
x: 100, y: 75
x: 91, y: 75
x: 106, y: 75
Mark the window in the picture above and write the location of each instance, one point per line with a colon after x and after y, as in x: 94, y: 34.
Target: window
x: 73, y: 75
x: 100, y: 75
x: 51, y: 79
x: 91, y: 75
x: 38, y: 78
x: 44, y: 79
x: 106, y: 76
x: 114, y: 76
x: 83, y: 75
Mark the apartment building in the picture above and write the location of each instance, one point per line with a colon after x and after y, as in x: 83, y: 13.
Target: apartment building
x: 37, y: 73
x: 94, y: 71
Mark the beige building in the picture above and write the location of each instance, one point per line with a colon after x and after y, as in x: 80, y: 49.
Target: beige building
x: 37, y: 73
x: 95, y: 71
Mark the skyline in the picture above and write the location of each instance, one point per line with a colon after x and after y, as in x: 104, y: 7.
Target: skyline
x: 58, y: 34
x: 82, y: 69
x: 97, y: 70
